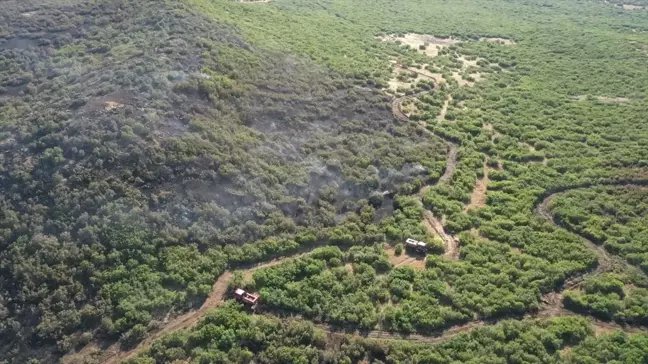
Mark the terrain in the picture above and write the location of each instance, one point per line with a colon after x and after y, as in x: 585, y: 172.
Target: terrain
x: 157, y: 154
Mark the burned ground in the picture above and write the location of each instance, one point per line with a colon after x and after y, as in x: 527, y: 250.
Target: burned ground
x: 130, y: 128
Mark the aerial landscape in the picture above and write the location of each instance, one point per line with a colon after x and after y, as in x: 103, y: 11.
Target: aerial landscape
x: 328, y: 181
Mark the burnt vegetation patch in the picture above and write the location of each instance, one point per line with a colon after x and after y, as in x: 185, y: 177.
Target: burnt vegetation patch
x: 140, y: 139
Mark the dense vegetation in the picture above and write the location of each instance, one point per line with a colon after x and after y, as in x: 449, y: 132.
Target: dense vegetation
x: 362, y: 293
x: 617, y: 218
x: 143, y: 145
x: 611, y: 297
x: 229, y: 335
x: 491, y: 283
x: 147, y: 146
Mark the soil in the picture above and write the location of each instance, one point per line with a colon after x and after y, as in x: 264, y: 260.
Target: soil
x: 113, y: 355
x: 607, y: 261
x: 411, y: 109
x: 426, y: 73
x: 432, y: 224
x: 460, y: 80
x: 112, y: 105
x: 497, y: 40
x: 395, y: 84
x: 633, y: 7
x: 444, y: 108
x: 406, y: 259
x: 435, y: 226
x: 495, y: 134
x: 604, y: 99
x: 247, y: 276
x: 543, y: 211
x: 451, y: 164
x: 433, y: 44
x: 421, y: 74
x: 478, y: 196
x: 551, y: 302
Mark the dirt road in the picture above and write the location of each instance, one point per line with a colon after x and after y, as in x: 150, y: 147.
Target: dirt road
x: 606, y: 260
x: 444, y: 108
x: 114, y: 355
x: 552, y: 306
x: 432, y: 224
x: 450, y: 243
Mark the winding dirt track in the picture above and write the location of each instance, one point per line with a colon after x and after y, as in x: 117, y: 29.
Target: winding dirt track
x: 607, y: 261
x: 113, y: 354
x: 551, y: 307
x: 552, y: 301
x: 433, y: 224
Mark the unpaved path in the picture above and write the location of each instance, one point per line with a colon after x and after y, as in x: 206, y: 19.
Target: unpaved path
x: 451, y: 164
x: 435, y: 226
x: 478, y: 196
x: 552, y: 304
x: 546, y: 312
x: 432, y: 224
x: 444, y: 108
x: 552, y: 301
x: 607, y: 261
x: 113, y: 354
x: 182, y: 322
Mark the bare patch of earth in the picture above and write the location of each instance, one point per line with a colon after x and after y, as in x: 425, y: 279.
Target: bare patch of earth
x: 494, y: 133
x: 468, y: 63
x: 457, y: 77
x: 114, y: 355
x: 112, y: 101
x: 405, y: 259
x: 430, y: 44
x: 112, y: 105
x: 633, y: 7
x: 604, y: 99
x: 444, y: 108
x: 435, y: 226
x: 497, y: 40
x: 478, y: 196
x: 416, y: 75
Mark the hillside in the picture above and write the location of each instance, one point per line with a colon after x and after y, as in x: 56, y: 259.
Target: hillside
x: 154, y: 152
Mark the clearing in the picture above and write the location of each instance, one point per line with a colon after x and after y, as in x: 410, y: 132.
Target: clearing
x: 422, y: 43
x: 478, y: 196
x: 633, y: 7
x: 407, y: 77
x: 435, y: 226
x: 497, y: 40
x: 405, y: 259
x: 444, y: 108
x: 112, y: 105
x: 603, y: 99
